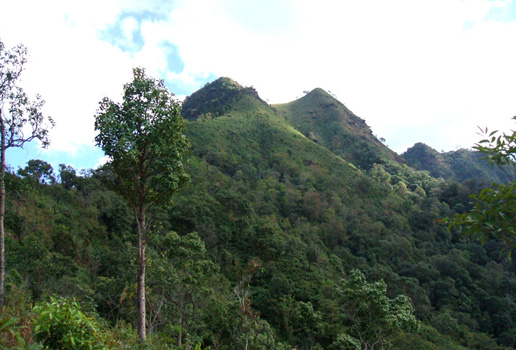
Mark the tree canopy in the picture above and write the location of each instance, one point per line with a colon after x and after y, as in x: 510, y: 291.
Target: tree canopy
x: 372, y: 316
x: 144, y: 138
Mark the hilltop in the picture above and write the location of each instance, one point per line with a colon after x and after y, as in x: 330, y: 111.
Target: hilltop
x: 325, y: 120
x: 216, y: 99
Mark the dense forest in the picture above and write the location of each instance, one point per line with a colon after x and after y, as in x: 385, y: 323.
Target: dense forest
x: 299, y: 229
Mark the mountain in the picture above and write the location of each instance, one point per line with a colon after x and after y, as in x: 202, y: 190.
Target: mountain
x: 318, y: 116
x: 285, y: 201
x: 232, y: 128
x: 218, y: 98
x: 423, y: 157
x: 325, y: 120
x: 282, y: 184
x: 460, y: 165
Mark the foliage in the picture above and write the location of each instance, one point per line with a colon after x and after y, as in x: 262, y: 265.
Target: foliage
x: 180, y: 278
x: 18, y: 114
x: 21, y: 121
x: 144, y: 138
x: 60, y: 324
x: 10, y: 332
x: 39, y: 171
x: 374, y: 318
x: 16, y: 322
x: 499, y: 149
x: 492, y: 215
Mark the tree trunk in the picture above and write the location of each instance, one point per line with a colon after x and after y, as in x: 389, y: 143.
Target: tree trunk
x: 2, y: 209
x: 142, y: 332
x: 180, y: 337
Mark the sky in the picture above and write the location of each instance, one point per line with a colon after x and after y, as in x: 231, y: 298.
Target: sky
x: 415, y: 70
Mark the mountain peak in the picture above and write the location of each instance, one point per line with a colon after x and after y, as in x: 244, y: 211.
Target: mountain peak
x: 327, y: 121
x: 215, y: 98
x: 420, y: 147
x: 319, y: 91
x: 324, y: 98
x: 226, y: 82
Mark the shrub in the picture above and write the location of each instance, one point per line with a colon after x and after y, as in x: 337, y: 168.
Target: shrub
x: 61, y: 325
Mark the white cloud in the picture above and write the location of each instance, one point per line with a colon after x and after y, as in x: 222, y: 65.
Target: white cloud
x: 69, y: 67
x: 436, y: 68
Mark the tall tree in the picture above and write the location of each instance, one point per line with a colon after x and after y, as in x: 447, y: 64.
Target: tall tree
x: 144, y: 137
x: 21, y: 121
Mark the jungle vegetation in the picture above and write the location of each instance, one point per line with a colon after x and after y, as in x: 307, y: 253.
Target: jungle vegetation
x: 298, y: 229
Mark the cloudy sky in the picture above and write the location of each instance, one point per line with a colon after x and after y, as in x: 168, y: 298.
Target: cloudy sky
x: 417, y: 71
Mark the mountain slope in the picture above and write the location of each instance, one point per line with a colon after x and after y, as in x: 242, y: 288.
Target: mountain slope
x: 460, y: 165
x: 327, y: 121
x: 261, y: 189
x: 249, y: 132
x: 279, y: 218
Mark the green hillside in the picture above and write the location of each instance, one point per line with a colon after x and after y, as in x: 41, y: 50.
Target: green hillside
x: 325, y: 120
x: 286, y: 202
x: 460, y: 165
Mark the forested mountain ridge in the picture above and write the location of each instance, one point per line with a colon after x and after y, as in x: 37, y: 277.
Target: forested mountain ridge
x: 459, y: 165
x: 383, y: 217
x: 272, y: 205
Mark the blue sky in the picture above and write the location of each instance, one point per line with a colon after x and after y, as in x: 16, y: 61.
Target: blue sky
x: 416, y: 71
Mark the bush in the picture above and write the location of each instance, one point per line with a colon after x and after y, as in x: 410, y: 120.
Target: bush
x: 16, y: 316
x: 61, y: 325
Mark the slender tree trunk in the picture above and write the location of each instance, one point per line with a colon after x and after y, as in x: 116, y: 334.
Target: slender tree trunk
x: 180, y: 337
x: 2, y: 209
x: 142, y: 332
